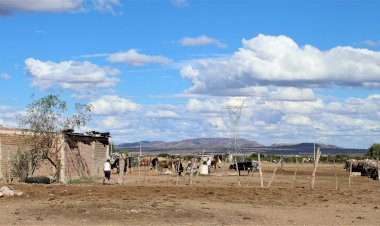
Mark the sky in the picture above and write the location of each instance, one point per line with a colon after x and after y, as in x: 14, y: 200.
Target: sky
x: 296, y: 71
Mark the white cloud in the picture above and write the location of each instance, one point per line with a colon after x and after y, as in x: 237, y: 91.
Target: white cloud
x: 73, y: 75
x: 201, y: 41
x: 293, y: 94
x: 57, y: 6
x: 5, y: 76
x: 113, y: 122
x: 180, y: 3
x: 113, y: 104
x: 371, y: 43
x: 106, y: 5
x: 348, y: 123
x: 133, y: 58
x: 294, y: 107
x: 54, y: 6
x: 297, y: 120
x: 162, y: 114
x: 278, y: 60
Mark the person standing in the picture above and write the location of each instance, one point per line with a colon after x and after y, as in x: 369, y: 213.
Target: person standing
x: 209, y: 165
x: 107, y: 171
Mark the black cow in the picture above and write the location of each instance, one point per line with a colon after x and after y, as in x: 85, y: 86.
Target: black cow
x: 249, y: 166
x: 116, y: 164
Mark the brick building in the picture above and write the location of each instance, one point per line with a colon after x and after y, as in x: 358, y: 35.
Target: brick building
x: 81, y: 155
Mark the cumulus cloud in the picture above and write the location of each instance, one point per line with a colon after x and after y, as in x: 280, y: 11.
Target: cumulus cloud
x: 180, y: 3
x: 5, y: 76
x: 300, y: 120
x: 57, y: 6
x: 162, y: 114
x: 133, y: 58
x: 293, y: 94
x: 113, y: 122
x: 201, y: 41
x: 113, y: 104
x: 267, y: 119
x: 73, y: 75
x: 278, y: 60
x: 54, y: 6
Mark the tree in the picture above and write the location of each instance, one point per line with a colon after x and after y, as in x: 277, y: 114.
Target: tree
x: 374, y: 151
x: 47, y: 118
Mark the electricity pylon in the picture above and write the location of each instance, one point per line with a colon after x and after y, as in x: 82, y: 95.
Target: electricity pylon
x: 234, y: 114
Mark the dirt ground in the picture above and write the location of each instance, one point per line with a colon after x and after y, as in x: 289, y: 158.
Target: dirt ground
x: 148, y: 199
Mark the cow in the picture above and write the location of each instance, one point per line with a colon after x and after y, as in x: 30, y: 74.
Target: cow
x: 162, y: 163
x: 249, y: 166
x: 116, y: 164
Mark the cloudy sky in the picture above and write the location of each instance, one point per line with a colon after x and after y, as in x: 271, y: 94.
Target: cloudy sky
x: 170, y: 69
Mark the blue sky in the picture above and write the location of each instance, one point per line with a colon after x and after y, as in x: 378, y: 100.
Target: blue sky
x: 167, y: 69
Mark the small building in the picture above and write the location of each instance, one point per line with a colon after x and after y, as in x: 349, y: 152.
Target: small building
x: 80, y: 154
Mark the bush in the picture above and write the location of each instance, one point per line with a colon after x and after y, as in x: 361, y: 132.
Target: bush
x: 20, y: 164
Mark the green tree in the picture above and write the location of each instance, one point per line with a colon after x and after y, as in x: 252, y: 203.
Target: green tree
x: 374, y: 151
x: 46, y: 118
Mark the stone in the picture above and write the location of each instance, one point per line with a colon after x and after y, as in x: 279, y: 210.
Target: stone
x: 4, y: 188
x: 8, y: 193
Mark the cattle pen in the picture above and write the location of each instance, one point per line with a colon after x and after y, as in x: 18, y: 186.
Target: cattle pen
x: 215, y: 199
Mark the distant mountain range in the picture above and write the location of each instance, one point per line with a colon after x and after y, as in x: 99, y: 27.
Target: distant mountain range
x: 190, y: 144
x: 222, y: 145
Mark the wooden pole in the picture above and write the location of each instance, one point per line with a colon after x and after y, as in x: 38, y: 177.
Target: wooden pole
x: 295, y: 173
x: 312, y: 183
x: 121, y: 169
x: 138, y: 165
x: 378, y: 168
x: 201, y: 163
x: 260, y: 171
x: 336, y: 176
x: 237, y: 172
x: 350, y: 175
x: 271, y: 179
x: 178, y: 168
x: 156, y: 171
x: 191, y: 172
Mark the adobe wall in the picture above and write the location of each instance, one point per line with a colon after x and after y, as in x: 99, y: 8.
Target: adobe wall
x: 83, y: 157
x: 11, y: 140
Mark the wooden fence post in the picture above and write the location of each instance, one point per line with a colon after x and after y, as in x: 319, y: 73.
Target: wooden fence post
x: 271, y: 179
x: 138, y: 162
x: 260, y: 171
x: 295, y: 173
x: 350, y: 175
x: 336, y: 176
x: 121, y: 169
x: 237, y: 172
x: 191, y: 172
x: 201, y: 163
x: 178, y: 169
x: 315, y: 167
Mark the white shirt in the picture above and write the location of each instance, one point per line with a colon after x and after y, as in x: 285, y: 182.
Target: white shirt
x: 107, y: 166
x: 209, y: 162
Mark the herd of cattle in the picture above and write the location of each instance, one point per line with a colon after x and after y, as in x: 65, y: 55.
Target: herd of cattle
x: 167, y: 165
x: 366, y: 167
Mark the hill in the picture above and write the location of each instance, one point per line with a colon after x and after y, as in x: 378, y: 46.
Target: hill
x: 215, y: 144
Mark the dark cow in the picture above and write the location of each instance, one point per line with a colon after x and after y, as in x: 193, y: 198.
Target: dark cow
x: 162, y: 163
x: 116, y: 164
x: 249, y: 166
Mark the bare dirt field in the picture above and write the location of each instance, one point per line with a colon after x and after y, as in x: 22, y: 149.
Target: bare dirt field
x: 148, y: 199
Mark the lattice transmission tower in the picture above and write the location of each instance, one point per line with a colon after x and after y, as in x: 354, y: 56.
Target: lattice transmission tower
x: 234, y: 115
